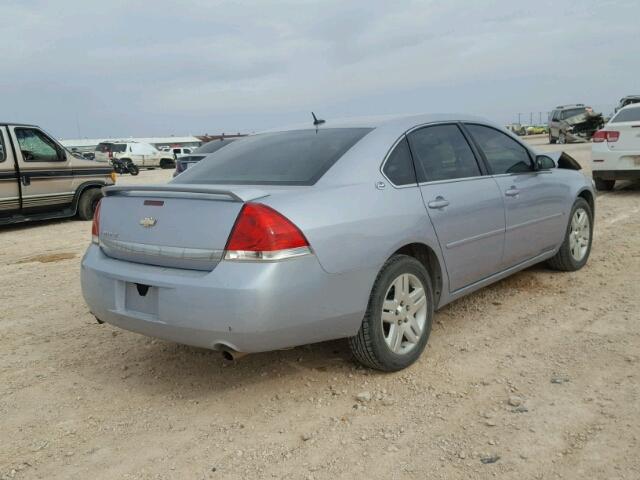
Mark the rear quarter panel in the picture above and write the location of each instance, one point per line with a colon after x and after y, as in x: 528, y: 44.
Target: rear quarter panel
x: 353, y: 227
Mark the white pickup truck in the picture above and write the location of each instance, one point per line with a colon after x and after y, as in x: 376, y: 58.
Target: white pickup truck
x: 143, y: 155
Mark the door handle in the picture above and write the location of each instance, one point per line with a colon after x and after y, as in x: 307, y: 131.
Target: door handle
x: 26, y: 180
x: 512, y: 192
x: 438, y: 202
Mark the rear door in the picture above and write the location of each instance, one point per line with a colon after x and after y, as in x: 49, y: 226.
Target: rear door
x: 535, y: 201
x: 465, y: 206
x: 46, y: 178
x: 9, y: 186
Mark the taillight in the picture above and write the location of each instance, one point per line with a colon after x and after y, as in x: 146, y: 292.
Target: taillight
x: 260, y: 233
x: 95, y: 226
x: 606, y: 135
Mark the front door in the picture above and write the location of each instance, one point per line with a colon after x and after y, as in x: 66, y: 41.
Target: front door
x: 465, y: 206
x: 46, y: 178
x: 9, y: 187
x: 534, y: 200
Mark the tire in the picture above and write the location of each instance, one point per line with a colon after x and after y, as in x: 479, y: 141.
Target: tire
x: 87, y: 204
x: 133, y: 169
x: 562, y: 138
x: 604, y: 185
x: 370, y: 346
x: 166, y: 163
x: 551, y: 139
x: 565, y: 260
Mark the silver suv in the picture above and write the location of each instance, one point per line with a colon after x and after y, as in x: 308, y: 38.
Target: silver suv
x: 573, y: 123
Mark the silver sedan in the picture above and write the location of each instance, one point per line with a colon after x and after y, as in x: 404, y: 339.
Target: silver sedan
x: 355, y: 229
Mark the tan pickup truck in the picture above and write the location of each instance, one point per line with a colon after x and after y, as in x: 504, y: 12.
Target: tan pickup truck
x: 40, y: 179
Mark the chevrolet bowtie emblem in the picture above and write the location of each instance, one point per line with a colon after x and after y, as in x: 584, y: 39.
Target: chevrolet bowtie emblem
x: 148, y: 222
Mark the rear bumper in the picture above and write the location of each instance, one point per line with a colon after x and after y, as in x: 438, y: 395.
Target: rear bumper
x: 617, y: 174
x: 249, y: 307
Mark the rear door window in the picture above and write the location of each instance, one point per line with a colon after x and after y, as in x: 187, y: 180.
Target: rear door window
x: 295, y: 157
x: 442, y: 153
x: 628, y: 115
x: 399, y: 166
x: 503, y: 153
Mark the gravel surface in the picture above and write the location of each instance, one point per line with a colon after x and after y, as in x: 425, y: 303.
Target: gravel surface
x: 535, y: 377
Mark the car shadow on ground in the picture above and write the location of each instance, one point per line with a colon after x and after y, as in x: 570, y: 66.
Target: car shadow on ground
x: 151, y: 365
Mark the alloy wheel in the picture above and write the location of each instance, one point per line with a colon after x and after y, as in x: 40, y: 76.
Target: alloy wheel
x: 404, y: 313
x: 579, y: 234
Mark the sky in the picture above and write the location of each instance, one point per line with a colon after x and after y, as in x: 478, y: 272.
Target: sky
x: 90, y: 69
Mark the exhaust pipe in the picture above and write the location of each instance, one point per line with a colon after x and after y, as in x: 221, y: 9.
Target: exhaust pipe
x: 232, y: 355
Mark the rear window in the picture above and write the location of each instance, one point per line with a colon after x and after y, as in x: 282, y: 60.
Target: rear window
x: 628, y: 115
x: 572, y: 112
x: 213, y: 145
x: 119, y: 147
x: 297, y: 157
x: 104, y: 147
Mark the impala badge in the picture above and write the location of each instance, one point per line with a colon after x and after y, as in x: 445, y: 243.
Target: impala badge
x: 148, y: 222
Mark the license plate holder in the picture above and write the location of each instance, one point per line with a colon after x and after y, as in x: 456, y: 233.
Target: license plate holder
x: 141, y: 298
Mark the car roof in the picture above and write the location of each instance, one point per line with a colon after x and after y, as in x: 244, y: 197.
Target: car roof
x: 13, y: 124
x: 401, y: 122
x: 630, y: 106
x: 574, y: 105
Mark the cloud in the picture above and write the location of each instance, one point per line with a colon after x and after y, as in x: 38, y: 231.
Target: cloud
x: 142, y: 67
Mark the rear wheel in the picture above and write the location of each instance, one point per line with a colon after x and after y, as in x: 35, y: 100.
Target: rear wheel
x: 604, y: 185
x: 575, y: 249
x: 88, y: 202
x: 397, y: 323
x: 167, y: 163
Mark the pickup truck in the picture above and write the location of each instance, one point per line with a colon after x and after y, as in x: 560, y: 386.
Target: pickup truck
x: 144, y: 155
x: 40, y: 179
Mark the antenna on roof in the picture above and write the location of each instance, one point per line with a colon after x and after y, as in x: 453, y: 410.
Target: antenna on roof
x: 316, y: 121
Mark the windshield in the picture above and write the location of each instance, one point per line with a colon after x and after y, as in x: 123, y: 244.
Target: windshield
x: 296, y: 157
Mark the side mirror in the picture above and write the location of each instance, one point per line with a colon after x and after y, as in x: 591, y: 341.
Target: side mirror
x: 544, y: 162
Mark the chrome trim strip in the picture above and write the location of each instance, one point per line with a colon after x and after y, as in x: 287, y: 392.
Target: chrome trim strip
x: 49, y: 195
x: 534, y: 221
x: 274, y: 256
x: 161, y: 251
x: 481, y: 236
x: 452, y: 180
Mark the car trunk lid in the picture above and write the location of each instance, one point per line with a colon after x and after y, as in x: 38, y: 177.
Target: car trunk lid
x: 176, y: 225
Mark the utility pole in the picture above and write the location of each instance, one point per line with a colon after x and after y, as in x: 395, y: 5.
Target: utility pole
x: 539, y: 118
x: 519, y: 119
x: 530, y: 118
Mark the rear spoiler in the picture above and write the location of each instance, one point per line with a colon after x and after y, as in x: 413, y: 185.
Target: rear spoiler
x: 184, y: 191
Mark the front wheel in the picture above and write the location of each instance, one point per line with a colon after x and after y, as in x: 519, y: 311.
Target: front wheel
x: 397, y: 323
x: 551, y: 138
x: 133, y: 169
x: 576, y: 247
x: 88, y: 203
x: 562, y: 138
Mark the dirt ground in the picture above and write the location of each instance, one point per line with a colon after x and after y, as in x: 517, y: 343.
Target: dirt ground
x: 538, y: 373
